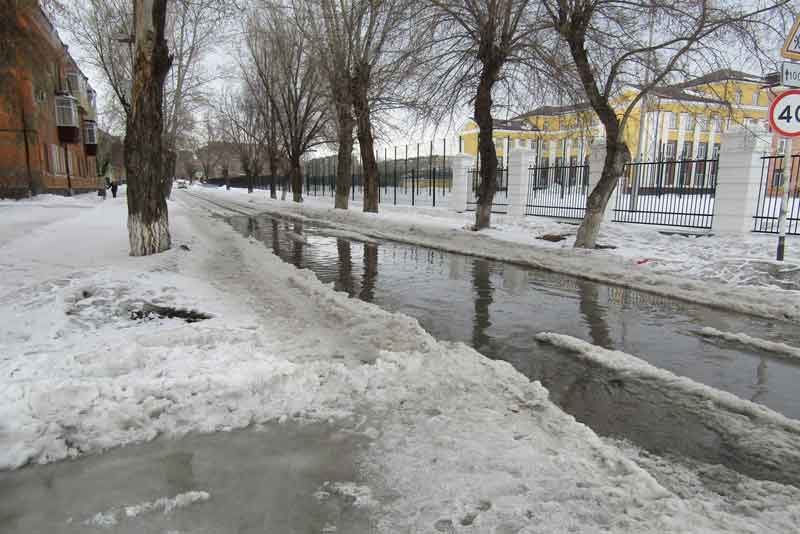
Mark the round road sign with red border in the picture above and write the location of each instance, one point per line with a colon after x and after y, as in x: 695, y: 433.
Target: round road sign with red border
x: 784, y: 114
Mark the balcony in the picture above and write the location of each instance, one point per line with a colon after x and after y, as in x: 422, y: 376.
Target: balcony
x: 90, y: 137
x: 67, y: 119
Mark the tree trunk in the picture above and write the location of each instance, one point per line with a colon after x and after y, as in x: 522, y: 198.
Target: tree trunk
x: 273, y: 169
x: 366, y: 143
x: 227, y: 179
x: 148, y: 220
x: 249, y: 182
x: 344, y: 168
x: 617, y: 154
x: 296, y: 175
x: 486, y: 149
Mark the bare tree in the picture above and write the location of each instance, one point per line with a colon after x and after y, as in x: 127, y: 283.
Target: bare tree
x: 245, y: 129
x: 209, y: 149
x: 328, y: 32
x: 618, y: 44
x: 148, y: 220
x: 473, y: 47
x: 292, y: 84
x: 194, y: 28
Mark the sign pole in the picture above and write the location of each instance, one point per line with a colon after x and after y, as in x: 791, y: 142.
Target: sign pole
x: 786, y: 181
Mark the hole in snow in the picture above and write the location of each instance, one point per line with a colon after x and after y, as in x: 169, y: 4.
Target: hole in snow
x: 151, y: 311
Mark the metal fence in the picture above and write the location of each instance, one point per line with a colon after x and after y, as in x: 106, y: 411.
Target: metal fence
x: 557, y: 191
x: 668, y: 193
x: 500, y: 200
x: 768, y: 206
x: 411, y: 175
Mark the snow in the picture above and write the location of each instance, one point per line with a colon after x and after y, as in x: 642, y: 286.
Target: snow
x: 453, y: 441
x: 732, y: 272
x: 109, y: 518
x: 770, y: 346
x: 629, y: 365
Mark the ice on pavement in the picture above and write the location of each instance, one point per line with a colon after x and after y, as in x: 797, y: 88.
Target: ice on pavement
x: 456, y: 441
x: 770, y: 346
x: 166, y: 505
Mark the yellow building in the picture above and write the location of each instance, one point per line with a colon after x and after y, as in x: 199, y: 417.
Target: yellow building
x: 681, y: 121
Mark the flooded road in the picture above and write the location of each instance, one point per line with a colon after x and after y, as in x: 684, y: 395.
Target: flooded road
x: 498, y: 308
x: 245, y: 481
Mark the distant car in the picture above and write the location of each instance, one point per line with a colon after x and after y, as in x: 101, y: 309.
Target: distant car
x: 182, y: 184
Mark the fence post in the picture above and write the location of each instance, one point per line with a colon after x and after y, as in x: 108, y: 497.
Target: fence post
x: 461, y: 164
x: 518, y: 178
x: 597, y: 159
x: 738, y: 179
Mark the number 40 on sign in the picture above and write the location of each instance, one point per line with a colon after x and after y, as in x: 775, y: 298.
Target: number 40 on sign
x: 784, y: 114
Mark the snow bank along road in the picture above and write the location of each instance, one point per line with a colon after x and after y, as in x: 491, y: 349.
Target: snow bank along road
x: 455, y: 442
x: 690, y: 279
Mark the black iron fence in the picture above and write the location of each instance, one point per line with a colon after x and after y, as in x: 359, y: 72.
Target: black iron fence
x: 500, y: 201
x: 412, y: 175
x: 557, y: 191
x: 668, y: 193
x: 770, y: 194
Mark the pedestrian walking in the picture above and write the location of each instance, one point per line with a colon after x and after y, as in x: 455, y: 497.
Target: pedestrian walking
x: 114, y: 188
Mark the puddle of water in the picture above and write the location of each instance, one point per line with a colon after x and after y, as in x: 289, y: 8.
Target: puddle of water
x: 498, y: 308
x: 258, y: 481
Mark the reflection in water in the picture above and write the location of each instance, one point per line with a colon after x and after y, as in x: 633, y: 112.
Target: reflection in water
x: 481, y: 279
x: 297, y: 246
x: 178, y: 472
x: 594, y: 314
x: 344, y: 274
x: 276, y: 242
x: 761, y: 380
x: 370, y: 272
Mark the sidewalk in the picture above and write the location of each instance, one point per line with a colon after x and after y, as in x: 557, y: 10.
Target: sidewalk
x: 731, y: 272
x: 454, y: 442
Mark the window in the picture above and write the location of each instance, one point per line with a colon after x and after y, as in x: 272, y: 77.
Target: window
x: 533, y: 144
x: 66, y: 111
x: 73, y: 84
x: 91, y: 96
x: 521, y: 143
x: 57, y: 159
x: 782, y: 146
x: 756, y: 96
x: 738, y: 96
x: 716, y: 124
x: 671, y: 149
x: 686, y: 153
x: 688, y: 122
x: 46, y: 159
x: 672, y: 120
x: 90, y: 133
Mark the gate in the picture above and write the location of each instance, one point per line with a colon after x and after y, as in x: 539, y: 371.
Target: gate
x: 765, y: 219
x: 500, y: 201
x: 558, y: 191
x: 668, y: 193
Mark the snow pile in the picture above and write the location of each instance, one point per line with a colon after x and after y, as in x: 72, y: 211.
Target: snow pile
x: 112, y: 517
x: 760, y: 440
x: 733, y: 502
x: 771, y: 346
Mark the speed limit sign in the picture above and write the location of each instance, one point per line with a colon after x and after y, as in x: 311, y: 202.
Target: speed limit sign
x: 784, y: 114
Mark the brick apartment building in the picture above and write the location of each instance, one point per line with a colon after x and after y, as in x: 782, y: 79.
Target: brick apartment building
x: 48, y: 135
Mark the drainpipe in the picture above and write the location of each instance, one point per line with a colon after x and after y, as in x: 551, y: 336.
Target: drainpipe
x: 66, y: 164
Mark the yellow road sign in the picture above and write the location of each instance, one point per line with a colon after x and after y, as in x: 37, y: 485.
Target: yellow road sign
x: 791, y: 48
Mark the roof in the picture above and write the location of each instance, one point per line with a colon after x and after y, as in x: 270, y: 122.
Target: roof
x: 722, y: 75
x: 676, y: 93
x: 514, y: 125
x: 555, y: 110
